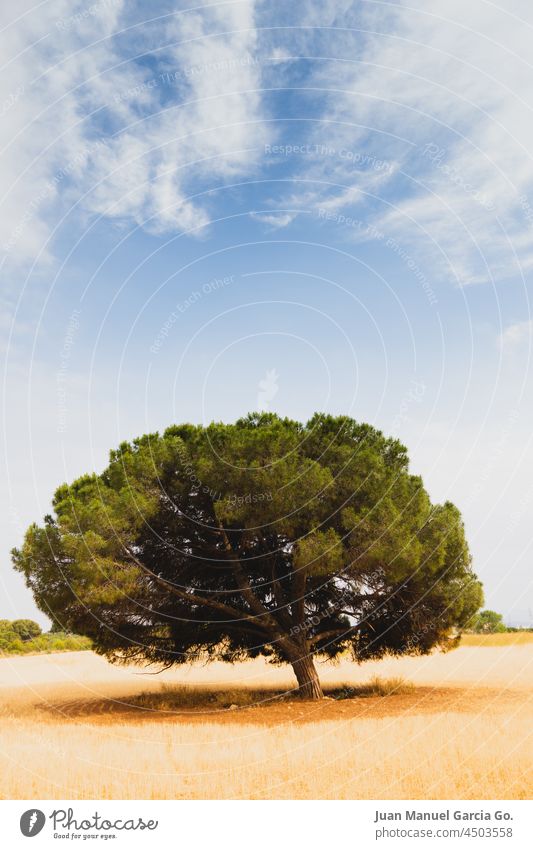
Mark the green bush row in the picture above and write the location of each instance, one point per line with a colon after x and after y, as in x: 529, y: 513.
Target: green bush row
x: 23, y: 636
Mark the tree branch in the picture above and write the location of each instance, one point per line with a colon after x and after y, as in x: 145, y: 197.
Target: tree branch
x: 334, y: 632
x: 241, y: 579
x: 207, y: 601
x: 256, y: 605
x: 281, y: 604
x: 298, y: 594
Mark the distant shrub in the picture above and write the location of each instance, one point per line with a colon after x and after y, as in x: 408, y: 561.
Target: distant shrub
x: 23, y: 636
x: 486, y: 622
x: 27, y: 629
x: 7, y: 634
x: 5, y: 642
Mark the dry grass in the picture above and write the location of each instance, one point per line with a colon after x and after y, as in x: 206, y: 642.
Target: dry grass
x: 513, y: 638
x: 447, y: 757
x: 448, y: 726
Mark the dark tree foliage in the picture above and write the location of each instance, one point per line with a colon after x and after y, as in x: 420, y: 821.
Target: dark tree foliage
x: 264, y: 537
x: 26, y: 629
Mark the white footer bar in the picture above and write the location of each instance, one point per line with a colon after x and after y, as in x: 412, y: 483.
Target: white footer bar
x: 267, y: 824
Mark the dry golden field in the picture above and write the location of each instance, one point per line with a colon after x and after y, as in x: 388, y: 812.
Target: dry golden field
x: 456, y: 726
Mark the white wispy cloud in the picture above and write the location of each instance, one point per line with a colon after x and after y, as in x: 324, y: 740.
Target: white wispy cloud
x: 515, y: 335
x: 424, y: 110
x: 214, y: 129
x: 276, y: 220
x: 443, y: 91
x: 86, y: 124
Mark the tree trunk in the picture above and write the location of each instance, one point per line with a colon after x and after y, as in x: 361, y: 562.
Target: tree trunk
x: 307, y: 677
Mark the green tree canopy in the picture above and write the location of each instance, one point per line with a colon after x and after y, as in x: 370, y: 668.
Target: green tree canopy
x: 263, y: 537
x: 487, y: 622
x: 26, y: 628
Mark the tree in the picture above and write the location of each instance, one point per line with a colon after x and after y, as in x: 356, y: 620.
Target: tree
x: 7, y: 635
x: 263, y: 537
x: 487, y: 622
x: 14, y: 634
x: 26, y: 629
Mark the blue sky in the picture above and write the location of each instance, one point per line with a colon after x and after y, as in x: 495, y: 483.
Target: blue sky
x: 325, y: 206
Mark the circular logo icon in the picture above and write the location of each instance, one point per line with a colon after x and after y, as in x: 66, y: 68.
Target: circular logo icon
x: 32, y: 822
